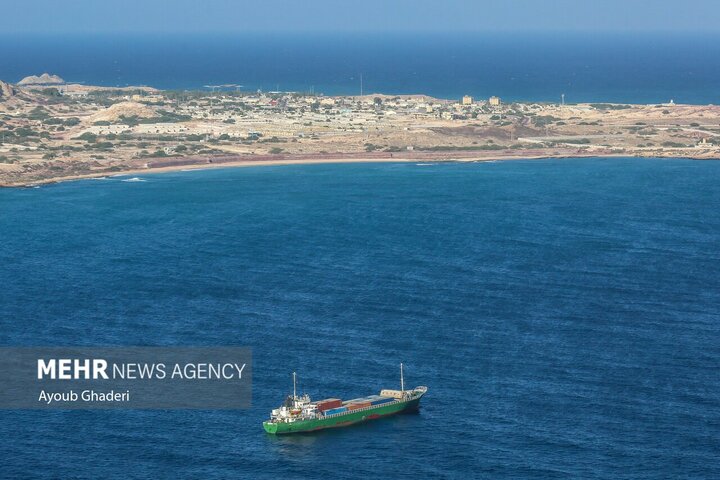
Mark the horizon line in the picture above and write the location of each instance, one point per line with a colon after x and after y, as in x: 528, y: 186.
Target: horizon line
x: 413, y: 31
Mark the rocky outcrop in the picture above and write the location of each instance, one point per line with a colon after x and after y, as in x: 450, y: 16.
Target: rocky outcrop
x: 6, y: 90
x: 44, y: 79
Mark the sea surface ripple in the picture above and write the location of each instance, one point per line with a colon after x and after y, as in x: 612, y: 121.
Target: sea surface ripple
x: 564, y: 314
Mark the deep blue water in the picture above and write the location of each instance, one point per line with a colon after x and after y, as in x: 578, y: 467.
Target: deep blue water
x: 564, y: 314
x: 642, y: 68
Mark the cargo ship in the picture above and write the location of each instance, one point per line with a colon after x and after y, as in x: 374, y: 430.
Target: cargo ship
x: 300, y: 414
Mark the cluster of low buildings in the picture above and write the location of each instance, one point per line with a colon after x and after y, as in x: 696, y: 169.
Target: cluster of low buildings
x: 292, y: 115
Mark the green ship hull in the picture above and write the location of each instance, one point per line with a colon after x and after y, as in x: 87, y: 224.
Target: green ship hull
x: 343, y: 419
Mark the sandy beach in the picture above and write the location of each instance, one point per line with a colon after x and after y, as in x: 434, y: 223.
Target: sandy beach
x: 159, y: 165
x: 234, y: 162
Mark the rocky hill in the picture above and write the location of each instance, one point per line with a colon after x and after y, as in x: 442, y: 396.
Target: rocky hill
x: 44, y: 79
x: 6, y: 90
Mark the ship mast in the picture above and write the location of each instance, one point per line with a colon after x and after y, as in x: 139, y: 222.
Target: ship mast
x: 294, y: 386
x: 402, y: 380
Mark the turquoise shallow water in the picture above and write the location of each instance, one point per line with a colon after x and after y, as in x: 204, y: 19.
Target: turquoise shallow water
x: 564, y: 314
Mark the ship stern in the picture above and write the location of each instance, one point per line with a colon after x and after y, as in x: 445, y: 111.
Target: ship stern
x: 270, y: 427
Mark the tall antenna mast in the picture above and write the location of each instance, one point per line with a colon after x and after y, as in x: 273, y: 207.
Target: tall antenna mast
x: 402, y: 380
x: 294, y: 386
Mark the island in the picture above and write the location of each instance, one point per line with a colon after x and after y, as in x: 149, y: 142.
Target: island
x: 44, y: 79
x: 55, y: 132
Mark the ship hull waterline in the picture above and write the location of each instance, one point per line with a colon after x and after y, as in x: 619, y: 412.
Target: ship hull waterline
x: 342, y: 420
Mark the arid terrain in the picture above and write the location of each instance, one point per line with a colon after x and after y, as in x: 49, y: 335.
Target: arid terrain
x: 56, y: 132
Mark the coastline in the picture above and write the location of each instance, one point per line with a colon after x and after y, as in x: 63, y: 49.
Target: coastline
x: 183, y: 164
x: 90, y: 132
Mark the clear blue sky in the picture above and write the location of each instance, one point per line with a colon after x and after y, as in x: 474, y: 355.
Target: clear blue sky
x: 59, y: 16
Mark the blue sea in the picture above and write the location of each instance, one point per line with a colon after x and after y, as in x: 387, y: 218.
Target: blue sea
x: 599, y: 67
x: 564, y: 314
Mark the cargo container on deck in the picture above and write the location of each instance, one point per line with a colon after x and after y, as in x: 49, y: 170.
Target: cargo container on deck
x: 357, y: 405
x: 333, y: 411
x: 328, y: 404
